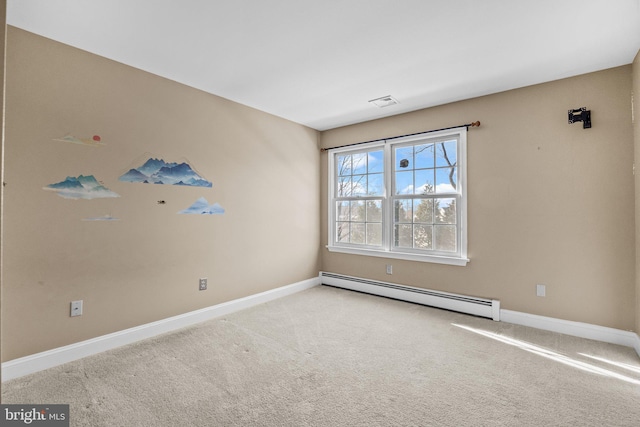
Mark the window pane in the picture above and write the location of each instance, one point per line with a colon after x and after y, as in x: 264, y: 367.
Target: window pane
x: 376, y: 162
x: 357, y: 233
x: 404, y: 158
x: 375, y: 186
x: 446, y: 180
x: 446, y: 211
x: 359, y: 163
x: 404, y: 183
x: 423, y: 211
x: 403, y: 237
x: 402, y: 211
x: 445, y: 238
x: 342, y: 211
x: 374, y: 211
x: 357, y: 210
x: 374, y: 234
x: 359, y: 185
x: 342, y: 232
x: 343, y: 163
x: 424, y: 181
x: 424, y: 156
x: 344, y: 186
x: 446, y: 153
x: 423, y: 236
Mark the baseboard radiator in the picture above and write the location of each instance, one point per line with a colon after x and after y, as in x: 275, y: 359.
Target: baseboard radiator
x: 464, y: 304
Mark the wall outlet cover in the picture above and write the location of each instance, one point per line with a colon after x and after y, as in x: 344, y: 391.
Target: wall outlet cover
x: 76, y: 308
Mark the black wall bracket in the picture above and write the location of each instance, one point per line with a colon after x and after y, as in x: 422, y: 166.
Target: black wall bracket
x: 581, y: 115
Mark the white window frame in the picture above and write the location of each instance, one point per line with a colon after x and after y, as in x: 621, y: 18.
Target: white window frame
x: 387, y: 250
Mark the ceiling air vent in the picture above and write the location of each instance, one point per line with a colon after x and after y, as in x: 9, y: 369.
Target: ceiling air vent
x: 384, y: 101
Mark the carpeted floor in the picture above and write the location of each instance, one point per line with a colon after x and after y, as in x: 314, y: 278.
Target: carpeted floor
x: 330, y: 357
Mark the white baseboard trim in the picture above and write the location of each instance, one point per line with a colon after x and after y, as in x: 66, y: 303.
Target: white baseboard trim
x: 576, y: 329
x: 48, y: 359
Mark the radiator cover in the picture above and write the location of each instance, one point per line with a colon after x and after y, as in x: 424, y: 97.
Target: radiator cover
x: 482, y: 307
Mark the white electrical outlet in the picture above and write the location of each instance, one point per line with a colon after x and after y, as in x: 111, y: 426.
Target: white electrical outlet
x: 203, y: 284
x: 541, y: 290
x: 76, y: 308
x: 389, y: 269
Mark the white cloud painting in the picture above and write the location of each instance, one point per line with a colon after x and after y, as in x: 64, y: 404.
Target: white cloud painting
x: 102, y: 218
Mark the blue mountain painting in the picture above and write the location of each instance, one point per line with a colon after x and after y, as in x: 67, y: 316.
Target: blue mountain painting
x: 81, y: 187
x: 157, y: 171
x: 202, y: 207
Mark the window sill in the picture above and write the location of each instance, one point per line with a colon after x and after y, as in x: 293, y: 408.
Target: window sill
x: 401, y: 255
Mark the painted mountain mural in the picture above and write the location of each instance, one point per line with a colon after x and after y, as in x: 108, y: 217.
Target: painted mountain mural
x: 81, y: 187
x: 157, y: 171
x: 202, y: 207
x: 96, y: 141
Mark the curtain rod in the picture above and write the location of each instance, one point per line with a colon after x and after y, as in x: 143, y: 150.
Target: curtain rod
x: 468, y: 125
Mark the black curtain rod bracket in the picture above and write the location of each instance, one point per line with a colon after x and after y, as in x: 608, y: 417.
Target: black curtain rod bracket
x: 580, y: 115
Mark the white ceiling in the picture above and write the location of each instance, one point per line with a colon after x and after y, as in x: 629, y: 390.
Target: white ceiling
x: 319, y: 62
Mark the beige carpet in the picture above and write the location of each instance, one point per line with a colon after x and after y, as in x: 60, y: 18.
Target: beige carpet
x: 330, y: 357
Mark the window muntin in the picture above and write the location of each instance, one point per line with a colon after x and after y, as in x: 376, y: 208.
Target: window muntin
x: 401, y: 198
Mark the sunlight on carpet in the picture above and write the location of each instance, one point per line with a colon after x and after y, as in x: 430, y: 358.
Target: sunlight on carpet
x: 552, y: 355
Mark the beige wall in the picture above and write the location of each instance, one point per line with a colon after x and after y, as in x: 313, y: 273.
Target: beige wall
x: 636, y: 139
x: 549, y: 202
x: 146, y: 266
x: 3, y: 38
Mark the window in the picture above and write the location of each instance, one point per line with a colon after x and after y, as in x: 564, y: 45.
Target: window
x: 401, y: 198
